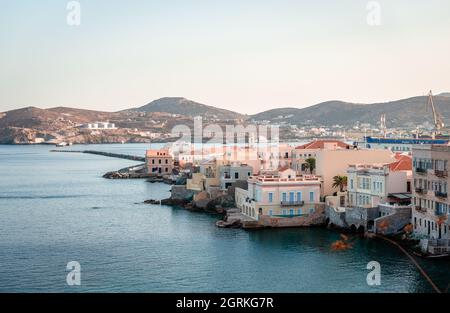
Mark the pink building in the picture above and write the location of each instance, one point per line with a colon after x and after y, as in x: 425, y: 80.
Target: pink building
x: 159, y: 162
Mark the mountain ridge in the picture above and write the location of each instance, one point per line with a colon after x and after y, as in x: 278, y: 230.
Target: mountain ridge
x: 406, y: 111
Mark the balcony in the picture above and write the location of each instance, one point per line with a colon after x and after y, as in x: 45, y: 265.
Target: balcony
x: 421, y: 209
x: 441, y: 173
x: 292, y: 203
x: 440, y: 194
x: 420, y: 190
x: 440, y: 213
x: 420, y: 170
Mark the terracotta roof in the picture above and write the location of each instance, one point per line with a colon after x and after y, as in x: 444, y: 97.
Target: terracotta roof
x: 320, y: 144
x: 404, y: 163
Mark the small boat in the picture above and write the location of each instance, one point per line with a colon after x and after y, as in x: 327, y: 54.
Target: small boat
x: 62, y: 144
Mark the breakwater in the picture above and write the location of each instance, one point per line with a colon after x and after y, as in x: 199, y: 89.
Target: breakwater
x: 106, y: 154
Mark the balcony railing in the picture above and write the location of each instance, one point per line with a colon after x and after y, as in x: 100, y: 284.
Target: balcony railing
x: 292, y: 203
x: 420, y: 190
x: 421, y: 209
x: 439, y: 212
x: 440, y: 194
x: 441, y: 173
x: 421, y: 170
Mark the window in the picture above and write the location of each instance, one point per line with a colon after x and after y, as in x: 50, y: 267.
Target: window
x: 153, y: 161
x: 299, y: 211
x: 291, y: 212
x: 311, y: 196
x: 167, y: 161
x: 311, y: 210
x: 299, y: 196
x: 284, y: 197
x: 167, y: 169
x: 284, y: 212
x: 351, y: 183
x: 159, y: 161
x: 291, y: 196
x: 236, y: 175
x: 270, y: 197
x: 270, y: 212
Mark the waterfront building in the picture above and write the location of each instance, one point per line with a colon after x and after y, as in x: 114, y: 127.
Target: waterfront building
x: 370, y: 184
x: 274, y: 157
x: 284, y: 195
x: 301, y: 153
x: 159, y: 162
x: 378, y: 197
x: 331, y: 163
x: 231, y: 173
x: 430, y: 197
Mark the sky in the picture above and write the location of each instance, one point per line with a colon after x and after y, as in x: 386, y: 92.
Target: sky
x: 242, y: 55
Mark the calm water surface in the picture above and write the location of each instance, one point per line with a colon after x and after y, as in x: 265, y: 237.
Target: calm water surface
x: 56, y: 207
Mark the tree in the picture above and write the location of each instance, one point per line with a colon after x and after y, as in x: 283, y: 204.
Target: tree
x: 310, y: 163
x: 340, y: 181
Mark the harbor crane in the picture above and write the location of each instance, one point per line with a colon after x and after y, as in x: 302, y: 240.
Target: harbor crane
x: 437, y: 117
x: 383, y: 124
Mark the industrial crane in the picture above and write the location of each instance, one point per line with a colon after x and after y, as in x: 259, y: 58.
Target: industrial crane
x: 437, y: 117
x: 383, y: 124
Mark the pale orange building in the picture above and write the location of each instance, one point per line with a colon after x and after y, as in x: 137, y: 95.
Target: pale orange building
x: 159, y: 162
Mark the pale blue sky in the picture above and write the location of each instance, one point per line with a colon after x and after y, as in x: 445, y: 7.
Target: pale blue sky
x: 241, y: 55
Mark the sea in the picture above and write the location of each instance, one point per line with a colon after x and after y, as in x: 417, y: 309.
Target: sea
x: 55, y: 208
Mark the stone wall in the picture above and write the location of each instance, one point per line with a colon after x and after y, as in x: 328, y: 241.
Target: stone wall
x: 335, y: 217
x: 393, y: 223
x: 314, y: 219
x: 179, y: 192
x: 360, y: 216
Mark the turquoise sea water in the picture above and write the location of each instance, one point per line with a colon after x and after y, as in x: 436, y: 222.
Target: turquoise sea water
x: 56, y: 208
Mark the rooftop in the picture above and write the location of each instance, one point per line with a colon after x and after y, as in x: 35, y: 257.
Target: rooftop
x: 322, y: 144
x: 278, y: 179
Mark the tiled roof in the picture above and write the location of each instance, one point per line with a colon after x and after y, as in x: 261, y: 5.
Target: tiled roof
x: 404, y: 163
x: 320, y: 144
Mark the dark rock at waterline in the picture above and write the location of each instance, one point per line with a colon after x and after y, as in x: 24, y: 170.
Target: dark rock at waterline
x: 169, y: 201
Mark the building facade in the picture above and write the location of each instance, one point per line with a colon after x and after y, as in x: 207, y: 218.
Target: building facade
x: 370, y: 184
x: 231, y: 173
x: 159, y: 162
x: 281, y: 195
x: 330, y: 163
x: 430, y: 193
x: 301, y: 153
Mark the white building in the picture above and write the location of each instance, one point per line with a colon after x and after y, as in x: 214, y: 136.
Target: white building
x: 370, y: 184
x: 281, y: 195
x: 100, y: 125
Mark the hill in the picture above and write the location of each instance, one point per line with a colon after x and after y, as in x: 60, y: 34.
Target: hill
x: 178, y: 105
x: 405, y: 112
